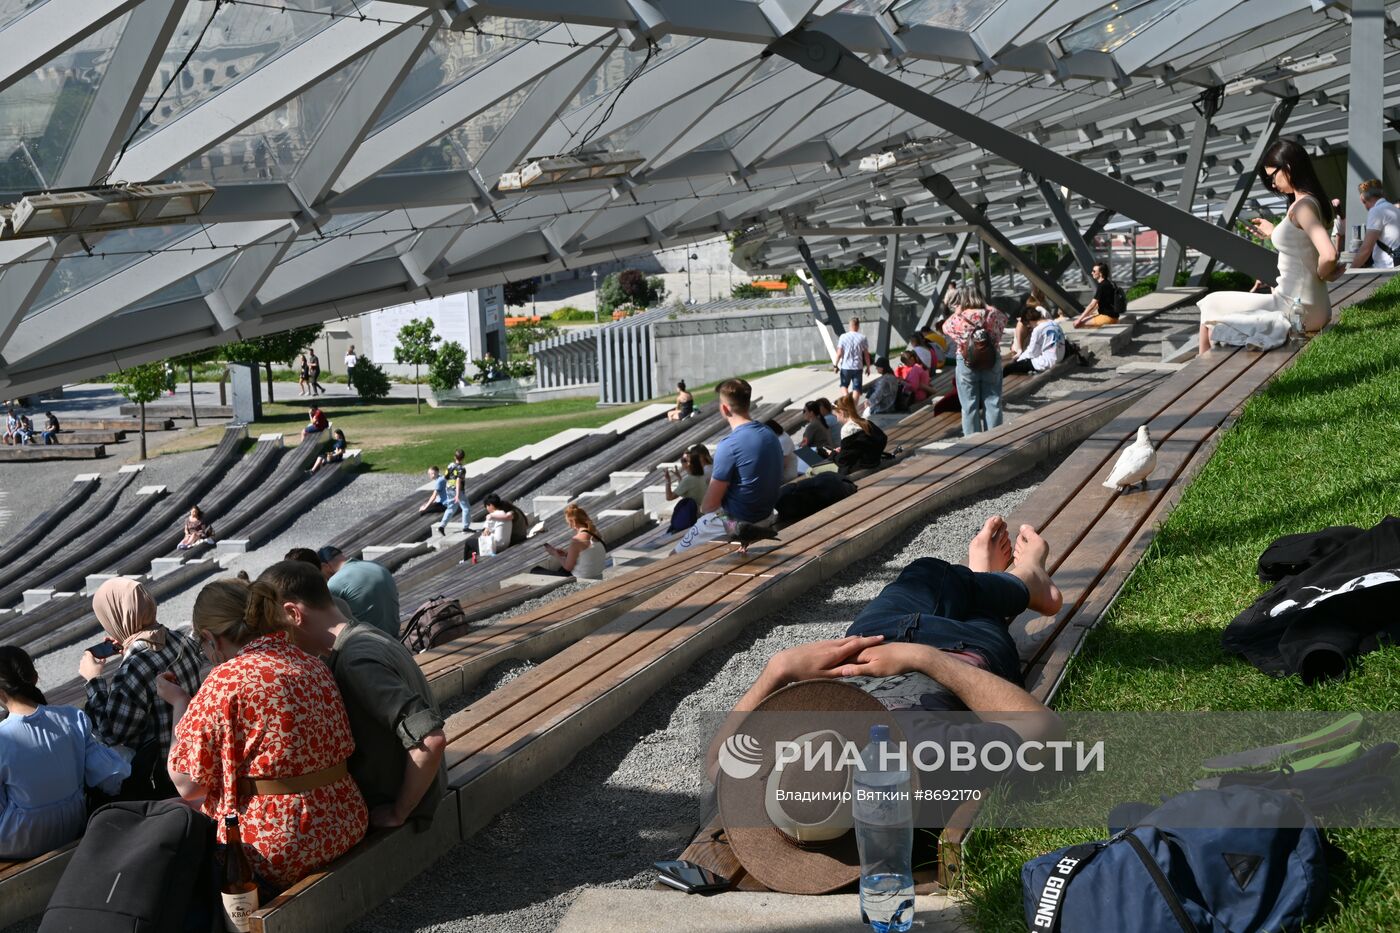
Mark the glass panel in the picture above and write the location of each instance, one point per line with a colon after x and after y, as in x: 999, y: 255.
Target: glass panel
x: 869, y: 7
x: 771, y: 65
x: 453, y: 56
x: 12, y: 10
x: 116, y: 251
x: 731, y: 138
x: 272, y: 147
x: 462, y: 146
x: 950, y: 14
x: 622, y: 62
x: 191, y: 286
x: 340, y: 223
x: 1107, y: 31
x: 241, y: 40
x: 40, y: 114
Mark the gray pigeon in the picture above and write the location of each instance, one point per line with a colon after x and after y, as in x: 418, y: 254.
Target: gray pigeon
x: 746, y: 533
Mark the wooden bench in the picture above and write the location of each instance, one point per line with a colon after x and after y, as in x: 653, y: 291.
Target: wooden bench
x: 177, y: 411
x: 24, y: 453
x: 1096, y: 535
x: 128, y: 425
x: 522, y: 733
x: 25, y: 887
x: 67, y: 437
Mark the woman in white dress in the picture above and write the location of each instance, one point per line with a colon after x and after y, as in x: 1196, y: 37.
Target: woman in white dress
x: 1307, y: 260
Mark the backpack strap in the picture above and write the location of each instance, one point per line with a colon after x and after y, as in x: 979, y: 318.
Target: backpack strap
x: 416, y: 620
x: 1051, y: 899
x: 1164, y: 886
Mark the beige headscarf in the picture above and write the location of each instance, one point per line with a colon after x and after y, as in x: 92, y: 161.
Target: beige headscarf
x: 128, y: 613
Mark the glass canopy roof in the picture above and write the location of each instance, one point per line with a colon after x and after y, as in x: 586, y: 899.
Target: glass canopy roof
x: 351, y: 126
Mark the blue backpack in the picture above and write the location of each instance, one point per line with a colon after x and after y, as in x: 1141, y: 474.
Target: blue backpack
x: 1233, y: 860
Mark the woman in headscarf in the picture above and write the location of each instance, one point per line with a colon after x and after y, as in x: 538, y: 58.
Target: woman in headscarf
x: 125, y: 710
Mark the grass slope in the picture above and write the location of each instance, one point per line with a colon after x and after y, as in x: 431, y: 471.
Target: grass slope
x: 1316, y: 447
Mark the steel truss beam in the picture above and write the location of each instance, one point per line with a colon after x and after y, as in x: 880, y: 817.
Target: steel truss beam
x: 940, y: 286
x: 1078, y: 248
x: 822, y: 55
x: 942, y: 189
x: 1175, y: 250
x: 1245, y: 181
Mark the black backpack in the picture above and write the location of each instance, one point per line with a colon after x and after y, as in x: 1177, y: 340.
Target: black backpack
x: 1120, y: 300
x: 685, y: 515
x: 436, y: 621
x: 810, y: 495
x: 142, y: 867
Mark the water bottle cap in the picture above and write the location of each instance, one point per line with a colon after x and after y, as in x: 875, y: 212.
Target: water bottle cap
x: 879, y: 733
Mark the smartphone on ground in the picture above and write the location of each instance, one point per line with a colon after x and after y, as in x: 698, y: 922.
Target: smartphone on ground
x: 690, y: 877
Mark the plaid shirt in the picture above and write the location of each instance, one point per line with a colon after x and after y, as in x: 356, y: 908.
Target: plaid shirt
x: 126, y: 710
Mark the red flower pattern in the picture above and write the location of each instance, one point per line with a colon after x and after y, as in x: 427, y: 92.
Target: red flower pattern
x: 273, y: 711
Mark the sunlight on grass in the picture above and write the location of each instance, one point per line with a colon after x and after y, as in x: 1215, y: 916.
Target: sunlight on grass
x: 1316, y: 447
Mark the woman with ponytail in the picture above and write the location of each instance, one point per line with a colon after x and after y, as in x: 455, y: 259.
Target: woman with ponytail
x: 585, y: 556
x: 48, y: 757
x: 266, y: 737
x: 862, y: 442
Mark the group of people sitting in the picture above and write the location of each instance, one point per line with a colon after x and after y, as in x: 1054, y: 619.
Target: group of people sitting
x: 291, y: 702
x: 506, y: 525
x: 19, y: 429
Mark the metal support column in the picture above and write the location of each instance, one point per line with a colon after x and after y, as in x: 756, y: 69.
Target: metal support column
x: 984, y: 267
x: 942, y: 188
x: 1235, y: 202
x: 820, y: 54
x: 940, y: 286
x: 1078, y: 248
x: 1058, y: 270
x: 1206, y: 107
x: 828, y: 307
x: 1366, y: 102
x: 891, y: 276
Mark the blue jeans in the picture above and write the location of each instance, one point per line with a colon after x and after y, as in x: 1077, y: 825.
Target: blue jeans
x: 852, y: 379
x: 947, y: 606
x: 451, y: 509
x: 979, y: 393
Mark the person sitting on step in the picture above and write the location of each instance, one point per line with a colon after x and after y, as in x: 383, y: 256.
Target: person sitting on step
x: 586, y: 555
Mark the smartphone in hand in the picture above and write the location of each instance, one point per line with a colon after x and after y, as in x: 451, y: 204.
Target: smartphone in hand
x: 104, y: 649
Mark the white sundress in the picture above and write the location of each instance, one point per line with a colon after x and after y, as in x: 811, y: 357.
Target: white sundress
x: 1262, y: 321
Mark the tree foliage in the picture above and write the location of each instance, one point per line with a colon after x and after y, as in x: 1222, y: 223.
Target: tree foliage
x: 518, y: 294
x: 141, y: 384
x: 415, y: 347
x: 747, y: 290
x: 370, y: 380
x: 630, y: 287
x: 272, y: 348
x: 446, y: 371
x: 521, y: 336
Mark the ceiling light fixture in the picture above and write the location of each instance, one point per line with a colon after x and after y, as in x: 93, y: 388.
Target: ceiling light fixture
x: 570, y: 169
x: 64, y: 211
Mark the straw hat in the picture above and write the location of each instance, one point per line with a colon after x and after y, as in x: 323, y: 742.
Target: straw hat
x: 796, y: 846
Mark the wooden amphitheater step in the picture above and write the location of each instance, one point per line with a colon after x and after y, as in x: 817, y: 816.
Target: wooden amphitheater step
x: 517, y: 736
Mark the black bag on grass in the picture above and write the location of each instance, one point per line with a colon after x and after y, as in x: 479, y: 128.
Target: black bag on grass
x: 140, y: 868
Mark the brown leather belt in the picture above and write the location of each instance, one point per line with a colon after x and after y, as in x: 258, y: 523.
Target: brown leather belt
x: 255, y: 787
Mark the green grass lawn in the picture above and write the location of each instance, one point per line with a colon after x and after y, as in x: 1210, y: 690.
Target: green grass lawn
x: 1317, y: 447
x: 397, y: 439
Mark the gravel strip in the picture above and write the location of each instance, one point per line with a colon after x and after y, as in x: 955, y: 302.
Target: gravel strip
x: 634, y: 796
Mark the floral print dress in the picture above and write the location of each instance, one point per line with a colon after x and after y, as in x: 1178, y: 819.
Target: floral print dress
x: 272, y: 712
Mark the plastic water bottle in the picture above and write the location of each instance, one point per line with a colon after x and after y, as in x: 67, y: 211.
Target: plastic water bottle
x: 1296, y: 318
x: 884, y: 818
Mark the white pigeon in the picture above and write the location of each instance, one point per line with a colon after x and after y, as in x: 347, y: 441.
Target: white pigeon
x: 1135, y: 464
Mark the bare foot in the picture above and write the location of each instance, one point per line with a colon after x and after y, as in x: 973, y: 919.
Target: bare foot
x: 990, y: 550
x: 1031, y: 553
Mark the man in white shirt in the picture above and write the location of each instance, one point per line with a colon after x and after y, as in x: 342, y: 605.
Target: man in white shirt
x: 350, y: 360
x: 853, y: 357
x: 1382, y: 229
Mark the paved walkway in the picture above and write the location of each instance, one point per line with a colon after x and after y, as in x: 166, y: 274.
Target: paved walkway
x: 625, y: 911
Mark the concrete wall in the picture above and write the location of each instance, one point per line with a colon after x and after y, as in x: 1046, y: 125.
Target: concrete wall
x: 706, y: 348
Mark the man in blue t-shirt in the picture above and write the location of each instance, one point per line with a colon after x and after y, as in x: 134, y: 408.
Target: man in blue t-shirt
x: 439, y: 496
x: 746, y: 474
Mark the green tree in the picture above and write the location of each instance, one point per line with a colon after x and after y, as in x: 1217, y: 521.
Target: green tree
x: 415, y: 346
x: 140, y: 384
x: 446, y: 371
x: 272, y: 348
x: 189, y: 361
x: 370, y: 381
x: 629, y: 287
x: 521, y: 336
x: 747, y: 290
x: 518, y: 294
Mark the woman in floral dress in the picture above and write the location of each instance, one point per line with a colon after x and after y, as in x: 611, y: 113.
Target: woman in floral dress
x: 266, y: 736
